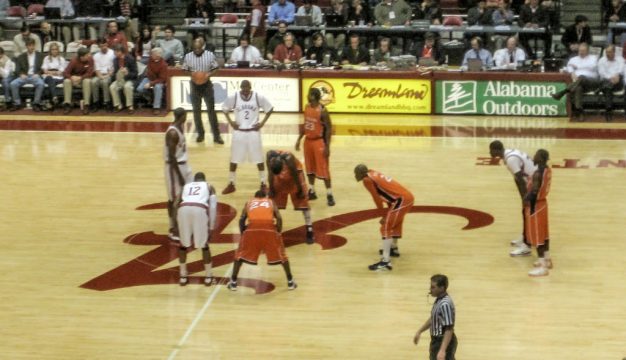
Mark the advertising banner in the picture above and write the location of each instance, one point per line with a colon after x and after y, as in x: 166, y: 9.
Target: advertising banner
x: 523, y: 98
x: 391, y: 96
x: 283, y: 93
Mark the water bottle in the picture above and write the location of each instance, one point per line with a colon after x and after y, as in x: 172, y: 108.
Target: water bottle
x: 326, y: 60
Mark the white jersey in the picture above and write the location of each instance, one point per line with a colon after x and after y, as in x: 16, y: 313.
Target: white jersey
x: 181, y: 147
x: 196, y: 192
x: 246, y: 111
x: 517, y: 161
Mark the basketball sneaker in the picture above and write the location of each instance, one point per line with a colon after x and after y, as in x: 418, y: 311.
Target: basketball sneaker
x: 539, y: 271
x: 232, y: 285
x: 310, y: 239
x: 393, y: 253
x: 229, y: 189
x: 173, y: 236
x: 518, y: 241
x: 208, y: 281
x: 184, y: 280
x: 381, y: 265
x: 548, y: 263
x: 291, y: 285
x: 330, y: 200
x: 522, y: 250
x: 312, y: 195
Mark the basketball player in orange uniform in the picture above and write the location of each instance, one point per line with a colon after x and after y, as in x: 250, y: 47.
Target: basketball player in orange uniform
x: 262, y: 233
x: 399, y: 202
x: 536, y: 212
x: 286, y: 178
x: 316, y: 132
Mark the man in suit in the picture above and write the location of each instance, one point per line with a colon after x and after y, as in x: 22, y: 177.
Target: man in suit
x: 535, y: 16
x: 576, y: 34
x: 28, y: 71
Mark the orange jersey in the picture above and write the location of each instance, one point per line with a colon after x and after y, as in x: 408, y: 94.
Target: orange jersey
x: 260, y: 213
x: 546, y: 181
x: 313, y: 126
x: 285, y: 174
x: 537, y: 224
x: 384, y: 188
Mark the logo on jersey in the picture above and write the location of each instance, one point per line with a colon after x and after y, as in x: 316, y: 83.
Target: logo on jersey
x: 146, y: 269
x: 327, y: 90
x: 459, y: 97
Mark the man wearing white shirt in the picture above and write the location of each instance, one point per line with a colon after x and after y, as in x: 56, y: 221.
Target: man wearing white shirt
x: 584, y: 70
x: 510, y: 56
x: 314, y: 11
x: 245, y: 52
x: 610, y: 69
x: 103, y: 66
x: 53, y: 66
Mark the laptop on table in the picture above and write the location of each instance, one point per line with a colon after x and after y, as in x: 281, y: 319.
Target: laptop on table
x: 474, y: 65
x: 334, y: 20
x: 52, y: 12
x: 303, y: 20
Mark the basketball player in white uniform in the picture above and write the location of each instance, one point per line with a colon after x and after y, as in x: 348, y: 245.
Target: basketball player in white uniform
x: 196, y: 212
x: 522, y: 168
x: 177, y: 170
x: 246, y: 141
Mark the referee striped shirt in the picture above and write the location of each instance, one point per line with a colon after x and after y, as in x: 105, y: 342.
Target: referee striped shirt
x: 442, y: 315
x: 205, y: 62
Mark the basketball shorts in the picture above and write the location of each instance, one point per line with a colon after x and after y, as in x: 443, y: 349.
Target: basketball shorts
x: 255, y: 241
x: 246, y: 146
x: 193, y: 223
x: 537, y: 231
x: 172, y: 183
x: 392, y: 224
x: 283, y: 190
x: 314, y: 160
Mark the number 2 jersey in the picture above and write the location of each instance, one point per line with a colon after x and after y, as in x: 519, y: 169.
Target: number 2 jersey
x: 246, y: 111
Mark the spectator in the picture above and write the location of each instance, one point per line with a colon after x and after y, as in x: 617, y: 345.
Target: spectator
x: 359, y: 12
x: 145, y: 43
x: 616, y: 12
x: 45, y: 32
x: 276, y: 40
x: 200, y: 9
x: 534, y: 16
x: 86, y: 8
x: 576, y: 34
x: 477, y: 52
x: 114, y: 36
x: 319, y: 50
x: 430, y: 10
x: 480, y: 14
x: 245, y: 52
x: 509, y: 57
x: 7, y: 69
x: 584, y: 70
x: 255, y: 25
x: 355, y: 53
x: 128, y: 11
x: 282, y: 10
x: 430, y: 48
x: 67, y: 11
x: 53, y: 66
x: 173, y: 49
x: 103, y: 67
x: 502, y: 16
x: 20, y: 40
x: 611, y: 72
x: 125, y: 72
x: 28, y: 71
x: 338, y: 40
x: 392, y: 13
x: 288, y: 52
x: 385, y: 51
x: 78, y: 74
x: 314, y: 11
x: 156, y: 79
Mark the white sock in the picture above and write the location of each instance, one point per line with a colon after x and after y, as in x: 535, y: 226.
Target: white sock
x: 307, y: 217
x: 207, y: 267
x: 329, y: 191
x: 386, y: 249
x: 312, y: 188
x: 232, y: 176
x: 262, y: 176
x: 183, y: 269
x: 546, y: 255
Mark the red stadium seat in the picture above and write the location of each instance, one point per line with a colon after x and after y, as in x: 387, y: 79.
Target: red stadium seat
x: 229, y: 19
x: 453, y: 21
x: 16, y: 11
x: 36, y: 9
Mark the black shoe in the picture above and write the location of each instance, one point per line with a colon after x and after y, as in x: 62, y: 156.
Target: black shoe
x: 108, y: 107
x: 92, y: 108
x: 218, y: 140
x: 200, y: 138
x: 608, y: 116
x: 37, y: 108
x: 381, y: 265
x: 558, y: 95
x: 330, y: 200
x: 16, y: 107
x: 393, y: 253
x: 312, y: 195
x: 67, y: 108
x: 310, y: 239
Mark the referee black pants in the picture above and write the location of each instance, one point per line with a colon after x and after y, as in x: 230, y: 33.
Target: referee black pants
x: 198, y: 93
x: 435, y: 345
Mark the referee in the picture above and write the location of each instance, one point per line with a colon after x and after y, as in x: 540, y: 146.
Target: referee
x: 202, y: 61
x: 441, y: 322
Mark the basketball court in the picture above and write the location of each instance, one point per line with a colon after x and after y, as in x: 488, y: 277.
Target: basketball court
x: 88, y: 273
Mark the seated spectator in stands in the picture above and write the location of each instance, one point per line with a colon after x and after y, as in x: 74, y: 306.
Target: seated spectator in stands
x: 7, y: 70
x: 584, y: 70
x: 502, y: 16
x: 429, y: 10
x: 276, y: 40
x: 173, y: 49
x: 288, y: 52
x: 576, y: 34
x: 255, y: 25
x: 282, y: 10
x: 45, y: 32
x: 509, y: 57
x: 359, y: 13
x: 534, y: 16
x: 615, y: 12
x: 355, y: 53
x: 67, y: 11
x: 430, y: 48
x: 199, y: 9
x: 341, y: 9
x: 611, y: 72
x: 86, y: 8
x: 78, y: 74
x: 28, y: 71
x: 319, y: 50
x: 385, y: 51
x: 314, y: 11
x: 125, y: 73
x: 103, y: 67
x: 245, y: 52
x: 392, y: 13
x: 480, y: 14
x: 156, y: 79
x: 114, y: 36
x: 477, y: 52
x: 145, y: 43
x: 20, y: 40
x: 129, y: 12
x: 53, y: 66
